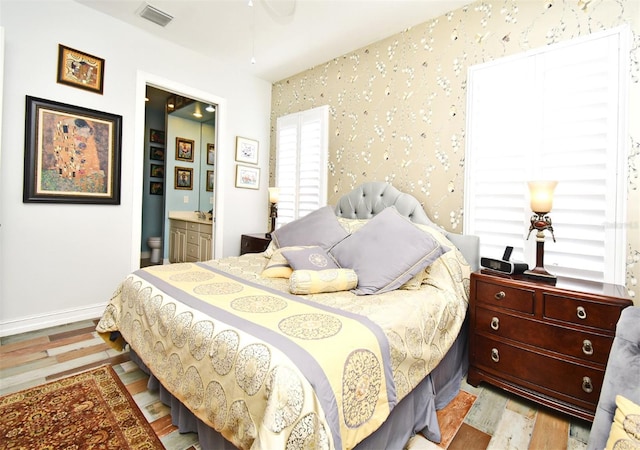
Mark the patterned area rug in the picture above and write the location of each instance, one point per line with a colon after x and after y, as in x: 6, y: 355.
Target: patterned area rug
x: 89, y: 410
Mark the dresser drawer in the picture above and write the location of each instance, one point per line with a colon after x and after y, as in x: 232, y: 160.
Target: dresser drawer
x: 518, y: 299
x: 581, y: 312
x: 193, y: 251
x: 544, y: 373
x: 193, y: 237
x: 587, y: 346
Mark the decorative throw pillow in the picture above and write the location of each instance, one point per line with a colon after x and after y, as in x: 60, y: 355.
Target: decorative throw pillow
x: 278, y: 266
x: 386, y: 252
x: 311, y: 258
x: 319, y: 227
x: 625, y: 430
x: 303, y: 282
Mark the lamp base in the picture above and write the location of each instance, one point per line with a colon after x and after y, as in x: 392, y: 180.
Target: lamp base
x: 539, y: 274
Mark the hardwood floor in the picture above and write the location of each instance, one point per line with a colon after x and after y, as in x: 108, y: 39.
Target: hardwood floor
x: 496, y: 421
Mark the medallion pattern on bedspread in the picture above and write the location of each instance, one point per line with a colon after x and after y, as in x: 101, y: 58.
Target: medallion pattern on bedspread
x: 218, y: 345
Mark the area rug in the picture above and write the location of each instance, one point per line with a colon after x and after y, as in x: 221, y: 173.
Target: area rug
x: 89, y: 410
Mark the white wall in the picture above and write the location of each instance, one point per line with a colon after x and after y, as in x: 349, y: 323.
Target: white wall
x: 62, y: 262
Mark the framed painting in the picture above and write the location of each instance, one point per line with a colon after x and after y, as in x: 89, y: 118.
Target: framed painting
x: 209, y: 180
x: 183, y: 178
x: 247, y: 177
x: 72, y: 154
x: 246, y: 150
x: 157, y: 171
x: 156, y: 187
x: 79, y: 69
x: 184, y: 149
x: 211, y: 154
x: 156, y: 136
x: 156, y: 153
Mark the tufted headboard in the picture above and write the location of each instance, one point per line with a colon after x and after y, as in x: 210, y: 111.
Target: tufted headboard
x: 368, y: 199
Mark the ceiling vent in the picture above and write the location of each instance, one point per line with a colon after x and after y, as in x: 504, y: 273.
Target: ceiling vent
x: 155, y: 15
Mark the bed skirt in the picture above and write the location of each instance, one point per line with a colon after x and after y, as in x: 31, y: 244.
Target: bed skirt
x: 418, y: 407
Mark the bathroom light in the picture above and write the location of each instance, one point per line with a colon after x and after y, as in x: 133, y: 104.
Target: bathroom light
x: 197, y: 113
x: 210, y: 108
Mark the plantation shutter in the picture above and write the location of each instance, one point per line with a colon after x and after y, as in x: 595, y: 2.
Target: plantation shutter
x: 301, y: 163
x: 556, y: 114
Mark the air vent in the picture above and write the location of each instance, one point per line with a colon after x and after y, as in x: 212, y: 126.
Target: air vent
x: 155, y: 15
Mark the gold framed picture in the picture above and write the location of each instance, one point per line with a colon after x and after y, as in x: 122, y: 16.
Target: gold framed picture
x: 79, y: 69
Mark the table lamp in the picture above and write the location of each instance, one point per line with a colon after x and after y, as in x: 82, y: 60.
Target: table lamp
x: 274, y: 196
x: 541, y: 193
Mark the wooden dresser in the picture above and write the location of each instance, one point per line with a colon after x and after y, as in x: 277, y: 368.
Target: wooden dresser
x: 547, y: 343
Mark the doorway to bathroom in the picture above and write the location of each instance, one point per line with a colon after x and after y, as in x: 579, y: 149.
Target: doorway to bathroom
x: 179, y: 167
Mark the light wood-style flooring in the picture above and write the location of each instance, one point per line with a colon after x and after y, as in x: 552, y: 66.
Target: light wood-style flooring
x: 496, y: 421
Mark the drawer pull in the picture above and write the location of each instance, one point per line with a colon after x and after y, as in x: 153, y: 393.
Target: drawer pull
x: 587, y: 347
x: 495, y: 323
x: 581, y: 313
x: 495, y: 356
x: 500, y: 295
x: 586, y: 385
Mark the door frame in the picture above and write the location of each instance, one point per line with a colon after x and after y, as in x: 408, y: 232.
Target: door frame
x: 144, y: 79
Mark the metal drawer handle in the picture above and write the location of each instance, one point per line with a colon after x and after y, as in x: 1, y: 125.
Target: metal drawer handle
x: 495, y: 323
x: 495, y: 356
x: 581, y: 313
x: 587, y: 347
x: 500, y: 295
x: 586, y: 385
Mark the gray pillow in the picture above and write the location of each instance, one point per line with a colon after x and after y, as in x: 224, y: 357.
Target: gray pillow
x: 310, y: 258
x: 319, y: 227
x: 386, y: 252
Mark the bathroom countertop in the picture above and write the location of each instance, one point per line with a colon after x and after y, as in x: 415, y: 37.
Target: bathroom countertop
x: 189, y: 216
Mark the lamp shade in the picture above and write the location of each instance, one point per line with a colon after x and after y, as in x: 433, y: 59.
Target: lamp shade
x: 541, y: 193
x: 274, y: 194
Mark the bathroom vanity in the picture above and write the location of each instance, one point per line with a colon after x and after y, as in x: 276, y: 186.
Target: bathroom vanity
x: 189, y: 237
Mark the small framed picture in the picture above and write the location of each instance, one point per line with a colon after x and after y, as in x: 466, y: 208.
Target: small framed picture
x: 210, y: 180
x: 211, y: 154
x: 156, y: 136
x: 79, y: 69
x: 246, y: 150
x: 247, y: 177
x: 157, y: 171
x: 183, y: 178
x: 156, y: 153
x: 156, y: 187
x: 184, y: 149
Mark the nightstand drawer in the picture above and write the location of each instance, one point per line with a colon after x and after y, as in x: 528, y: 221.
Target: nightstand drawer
x: 564, y: 341
x: 518, y: 299
x: 549, y: 375
x: 581, y: 312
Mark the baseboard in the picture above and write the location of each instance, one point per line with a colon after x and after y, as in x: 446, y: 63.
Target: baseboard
x: 52, y: 319
x: 145, y: 255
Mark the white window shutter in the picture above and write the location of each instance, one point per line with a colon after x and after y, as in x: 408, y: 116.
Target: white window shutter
x: 555, y: 114
x: 301, y: 163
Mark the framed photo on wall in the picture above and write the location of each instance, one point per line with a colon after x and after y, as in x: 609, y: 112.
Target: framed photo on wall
x: 247, y: 177
x: 156, y: 187
x: 183, y: 178
x: 211, y: 154
x: 80, y: 70
x: 246, y: 150
x: 156, y: 136
x: 209, y: 180
x: 184, y: 149
x: 157, y: 171
x: 156, y: 153
x: 72, y: 154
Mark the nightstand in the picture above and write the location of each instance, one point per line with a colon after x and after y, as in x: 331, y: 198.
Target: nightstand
x: 254, y: 243
x: 547, y: 343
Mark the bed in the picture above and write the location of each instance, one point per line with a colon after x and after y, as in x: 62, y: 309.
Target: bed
x: 344, y: 343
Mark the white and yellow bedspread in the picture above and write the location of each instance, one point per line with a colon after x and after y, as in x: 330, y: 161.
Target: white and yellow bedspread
x: 271, y: 370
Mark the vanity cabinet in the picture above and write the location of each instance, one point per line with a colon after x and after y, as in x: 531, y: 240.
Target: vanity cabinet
x: 189, y: 241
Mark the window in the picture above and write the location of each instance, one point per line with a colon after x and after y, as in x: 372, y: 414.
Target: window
x: 301, y: 162
x: 557, y: 114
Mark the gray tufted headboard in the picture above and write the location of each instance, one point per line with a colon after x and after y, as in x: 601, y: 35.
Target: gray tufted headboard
x: 370, y: 198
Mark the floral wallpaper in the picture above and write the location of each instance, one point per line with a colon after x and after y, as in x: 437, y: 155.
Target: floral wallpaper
x: 397, y: 107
